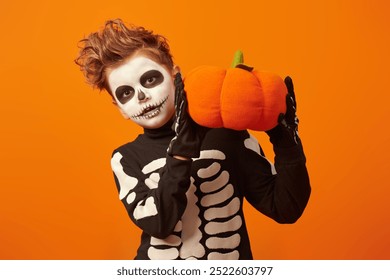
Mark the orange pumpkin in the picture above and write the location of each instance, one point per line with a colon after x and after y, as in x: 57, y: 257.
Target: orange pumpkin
x: 237, y: 98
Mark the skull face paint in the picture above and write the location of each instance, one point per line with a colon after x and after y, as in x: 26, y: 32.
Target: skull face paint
x: 143, y: 90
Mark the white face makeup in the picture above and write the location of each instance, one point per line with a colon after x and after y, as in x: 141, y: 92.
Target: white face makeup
x: 144, y: 91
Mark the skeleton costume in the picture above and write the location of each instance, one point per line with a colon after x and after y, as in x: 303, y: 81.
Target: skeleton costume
x: 194, y: 210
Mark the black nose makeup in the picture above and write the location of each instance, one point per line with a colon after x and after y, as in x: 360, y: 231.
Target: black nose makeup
x: 141, y: 95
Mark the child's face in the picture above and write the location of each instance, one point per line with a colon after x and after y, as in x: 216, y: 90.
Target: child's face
x: 143, y: 91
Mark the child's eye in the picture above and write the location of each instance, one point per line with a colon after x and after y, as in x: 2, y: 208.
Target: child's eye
x: 127, y: 93
x: 151, y: 78
x: 124, y: 93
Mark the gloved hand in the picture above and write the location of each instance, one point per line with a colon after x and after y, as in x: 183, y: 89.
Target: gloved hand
x: 285, y: 134
x: 189, y: 135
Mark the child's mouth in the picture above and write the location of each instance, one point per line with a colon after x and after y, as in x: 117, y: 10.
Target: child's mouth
x: 151, y: 110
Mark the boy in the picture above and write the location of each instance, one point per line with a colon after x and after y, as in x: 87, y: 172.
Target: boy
x: 184, y: 187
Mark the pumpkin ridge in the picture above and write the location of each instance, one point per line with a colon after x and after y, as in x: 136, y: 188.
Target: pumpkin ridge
x: 261, y: 96
x: 221, y: 96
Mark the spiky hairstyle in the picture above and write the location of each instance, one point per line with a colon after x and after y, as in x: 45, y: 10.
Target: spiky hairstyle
x: 113, y: 44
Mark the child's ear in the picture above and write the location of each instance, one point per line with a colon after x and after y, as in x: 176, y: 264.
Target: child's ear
x: 120, y: 110
x: 176, y: 69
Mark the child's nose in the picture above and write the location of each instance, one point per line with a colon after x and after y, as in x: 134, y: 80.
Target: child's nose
x: 142, y: 96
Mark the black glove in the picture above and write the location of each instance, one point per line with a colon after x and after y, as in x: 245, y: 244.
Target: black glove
x: 189, y: 135
x: 285, y: 134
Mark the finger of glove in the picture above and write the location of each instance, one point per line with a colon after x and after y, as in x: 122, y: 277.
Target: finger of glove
x: 290, y: 116
x: 178, y: 79
x: 280, y: 118
x: 179, y: 87
x: 182, y: 98
x: 182, y: 117
x: 290, y: 89
x: 179, y: 97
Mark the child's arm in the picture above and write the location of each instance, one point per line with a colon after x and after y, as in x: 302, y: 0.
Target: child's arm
x: 283, y: 192
x: 154, y: 204
x: 279, y: 191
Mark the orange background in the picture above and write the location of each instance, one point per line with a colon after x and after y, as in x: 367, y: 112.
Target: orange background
x: 58, y: 198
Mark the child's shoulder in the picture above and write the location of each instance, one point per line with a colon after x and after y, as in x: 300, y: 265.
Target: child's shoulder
x: 129, y: 146
x: 142, y: 149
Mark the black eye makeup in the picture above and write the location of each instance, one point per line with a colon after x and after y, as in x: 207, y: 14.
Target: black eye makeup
x: 124, y: 93
x: 151, y: 78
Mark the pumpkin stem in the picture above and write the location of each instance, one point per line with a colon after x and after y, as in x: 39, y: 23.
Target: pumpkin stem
x: 238, y: 61
x: 238, y: 58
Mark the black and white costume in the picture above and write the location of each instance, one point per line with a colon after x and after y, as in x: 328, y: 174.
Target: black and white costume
x: 193, y: 209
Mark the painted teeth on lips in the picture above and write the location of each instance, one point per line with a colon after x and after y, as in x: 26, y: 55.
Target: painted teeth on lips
x: 150, y: 111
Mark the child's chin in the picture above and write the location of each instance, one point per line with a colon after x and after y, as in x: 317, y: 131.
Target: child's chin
x: 153, y: 123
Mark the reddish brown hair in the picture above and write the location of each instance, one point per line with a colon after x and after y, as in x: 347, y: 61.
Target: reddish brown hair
x: 113, y: 45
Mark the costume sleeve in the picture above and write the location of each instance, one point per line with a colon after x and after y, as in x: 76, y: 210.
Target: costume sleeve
x: 279, y: 191
x: 155, y: 201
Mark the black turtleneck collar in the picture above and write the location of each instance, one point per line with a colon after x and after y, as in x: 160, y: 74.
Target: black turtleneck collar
x: 165, y: 130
